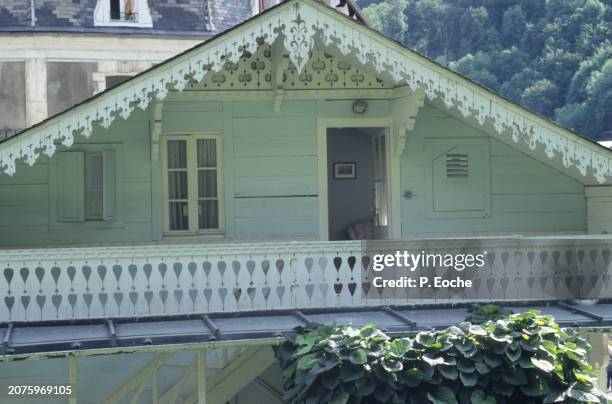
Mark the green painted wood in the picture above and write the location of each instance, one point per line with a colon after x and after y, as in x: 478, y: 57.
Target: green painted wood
x: 192, y: 105
x: 262, y: 228
x: 303, y: 126
x: 344, y: 109
x: 282, y: 207
x: 258, y: 109
x: 270, y: 178
x: 289, y: 166
x: 229, y: 147
x: 110, y: 185
x: 278, y: 146
x: 526, y: 195
x: 192, y: 122
x: 23, y: 195
x: 137, y: 202
x: 68, y: 181
x: 543, y: 203
x: 37, y: 174
x: 24, y: 215
x: 276, y: 186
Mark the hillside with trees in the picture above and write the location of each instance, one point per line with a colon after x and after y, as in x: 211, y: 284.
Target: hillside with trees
x: 552, y: 56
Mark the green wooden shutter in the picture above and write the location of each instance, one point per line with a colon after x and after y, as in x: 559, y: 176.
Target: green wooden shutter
x: 70, y: 186
x: 110, y: 186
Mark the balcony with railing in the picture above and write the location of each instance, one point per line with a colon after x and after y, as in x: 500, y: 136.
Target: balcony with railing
x: 152, y: 280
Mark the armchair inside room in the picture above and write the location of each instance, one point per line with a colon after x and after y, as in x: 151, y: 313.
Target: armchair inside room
x: 362, y: 230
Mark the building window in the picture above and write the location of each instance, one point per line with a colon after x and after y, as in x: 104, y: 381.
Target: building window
x: 192, y: 184
x: 261, y: 5
x: 123, y: 12
x: 83, y: 186
x: 112, y: 81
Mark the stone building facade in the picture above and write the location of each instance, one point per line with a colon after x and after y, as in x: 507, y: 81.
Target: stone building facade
x: 56, y: 53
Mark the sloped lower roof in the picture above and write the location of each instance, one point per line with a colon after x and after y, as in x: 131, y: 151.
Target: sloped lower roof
x: 61, y: 338
x: 302, y: 24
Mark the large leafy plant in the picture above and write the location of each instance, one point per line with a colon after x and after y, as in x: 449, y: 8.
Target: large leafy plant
x: 524, y: 358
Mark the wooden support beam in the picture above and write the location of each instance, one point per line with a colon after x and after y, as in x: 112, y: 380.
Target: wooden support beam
x: 73, y: 379
x: 405, y: 107
x: 280, y: 63
x: 202, y: 377
x: 133, y: 382
x: 154, y: 387
x: 172, y: 395
x: 236, y: 375
x: 156, y: 128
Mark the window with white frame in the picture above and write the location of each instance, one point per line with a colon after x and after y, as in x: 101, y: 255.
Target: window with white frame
x: 193, y: 184
x: 122, y: 12
x: 261, y: 5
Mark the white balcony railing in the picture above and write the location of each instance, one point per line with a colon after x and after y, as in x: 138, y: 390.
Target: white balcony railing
x: 128, y: 281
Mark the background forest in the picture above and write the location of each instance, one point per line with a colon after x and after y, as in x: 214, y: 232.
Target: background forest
x: 552, y: 56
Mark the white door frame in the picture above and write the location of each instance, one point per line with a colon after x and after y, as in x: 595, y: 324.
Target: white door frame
x: 393, y: 170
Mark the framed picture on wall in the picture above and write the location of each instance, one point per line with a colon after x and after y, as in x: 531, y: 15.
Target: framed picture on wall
x: 345, y: 171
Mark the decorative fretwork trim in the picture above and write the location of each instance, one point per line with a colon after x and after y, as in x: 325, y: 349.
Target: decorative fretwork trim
x: 302, y: 23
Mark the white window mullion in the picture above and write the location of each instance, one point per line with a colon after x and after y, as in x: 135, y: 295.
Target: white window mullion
x: 193, y: 184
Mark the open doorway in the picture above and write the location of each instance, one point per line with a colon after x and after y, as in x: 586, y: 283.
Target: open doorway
x: 357, y: 183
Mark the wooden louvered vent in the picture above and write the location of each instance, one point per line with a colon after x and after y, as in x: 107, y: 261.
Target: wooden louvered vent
x: 457, y: 165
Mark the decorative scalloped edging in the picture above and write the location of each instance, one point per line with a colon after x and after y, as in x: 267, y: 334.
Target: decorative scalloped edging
x: 300, y: 23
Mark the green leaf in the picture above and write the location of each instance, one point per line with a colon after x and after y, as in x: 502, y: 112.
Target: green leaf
x: 442, y: 395
x: 479, y: 397
x: 491, y: 360
x: 514, y: 354
x: 448, y: 372
x: 468, y: 379
x: 581, y: 395
x: 392, y: 365
x: 412, y: 377
x: 425, y: 338
x: 419, y: 397
x: 365, y: 388
x: 503, y: 389
x: 323, y: 366
x: 350, y: 373
x: 515, y: 377
x: 465, y: 366
x: 542, y: 364
x: 339, y: 397
x: 308, y: 361
x: 433, y: 360
x: 478, y: 330
x: 549, y: 347
x: 330, y: 380
x: 358, y: 356
x: 400, y: 346
x: 482, y: 368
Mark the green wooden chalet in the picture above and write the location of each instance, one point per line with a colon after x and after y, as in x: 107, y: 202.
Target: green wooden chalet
x: 185, y: 217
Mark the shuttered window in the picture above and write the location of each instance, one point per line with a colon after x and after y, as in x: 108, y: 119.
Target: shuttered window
x: 84, y: 184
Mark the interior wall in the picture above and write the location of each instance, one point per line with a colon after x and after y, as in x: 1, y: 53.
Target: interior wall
x: 350, y: 200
